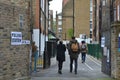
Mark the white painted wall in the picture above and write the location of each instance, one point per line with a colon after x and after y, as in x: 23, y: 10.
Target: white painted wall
x: 35, y: 37
x: 42, y: 41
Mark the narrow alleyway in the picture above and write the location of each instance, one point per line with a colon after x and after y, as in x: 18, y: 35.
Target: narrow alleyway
x: 91, y: 70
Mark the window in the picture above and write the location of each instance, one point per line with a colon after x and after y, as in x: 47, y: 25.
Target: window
x: 21, y: 20
x: 114, y: 14
x: 59, y: 17
x: 59, y: 22
x: 118, y: 12
x: 42, y: 4
x: 90, y: 26
x: 103, y: 2
x: 91, y: 16
x: 91, y: 9
x: 59, y: 29
x: 90, y: 35
x: 49, y: 22
x: 59, y: 36
x: 91, y: 3
x: 90, y: 32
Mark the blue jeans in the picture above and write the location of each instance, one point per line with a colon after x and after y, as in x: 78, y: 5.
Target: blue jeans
x: 83, y: 56
x: 35, y: 61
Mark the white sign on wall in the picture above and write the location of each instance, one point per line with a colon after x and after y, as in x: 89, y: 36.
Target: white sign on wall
x: 25, y: 41
x: 103, y: 42
x: 16, y: 38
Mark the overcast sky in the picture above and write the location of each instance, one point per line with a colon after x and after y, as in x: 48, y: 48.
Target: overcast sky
x: 56, y: 5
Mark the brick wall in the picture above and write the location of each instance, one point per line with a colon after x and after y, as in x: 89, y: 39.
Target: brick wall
x: 82, y: 14
x: 81, y: 17
x: 14, y: 60
x: 67, y: 23
x: 115, y: 54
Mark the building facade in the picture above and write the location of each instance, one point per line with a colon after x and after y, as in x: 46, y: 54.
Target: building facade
x: 51, y: 23
x: 82, y: 17
x: 106, y: 36
x: 59, y: 25
x: 91, y: 20
x: 40, y: 25
x: 67, y: 19
x: 96, y: 20
x: 115, y: 40
x: 21, y: 23
x: 14, y: 29
x: 76, y: 18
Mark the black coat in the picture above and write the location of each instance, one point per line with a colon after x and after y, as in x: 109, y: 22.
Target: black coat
x: 61, y: 52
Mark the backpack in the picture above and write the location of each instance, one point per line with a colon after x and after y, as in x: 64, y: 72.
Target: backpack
x: 74, y: 47
x: 83, y: 47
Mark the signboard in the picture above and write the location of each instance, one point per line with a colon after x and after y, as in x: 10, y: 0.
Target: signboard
x: 108, y: 55
x: 25, y: 41
x: 103, y: 42
x: 105, y: 51
x: 16, y: 38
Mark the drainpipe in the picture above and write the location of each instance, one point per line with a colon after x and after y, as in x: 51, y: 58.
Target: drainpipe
x: 45, y: 48
x: 39, y: 27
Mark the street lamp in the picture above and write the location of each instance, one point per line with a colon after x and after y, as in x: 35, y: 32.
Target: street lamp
x: 73, y: 17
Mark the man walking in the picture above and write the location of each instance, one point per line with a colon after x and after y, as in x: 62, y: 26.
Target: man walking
x: 74, y: 50
x: 60, y: 56
x: 83, y: 51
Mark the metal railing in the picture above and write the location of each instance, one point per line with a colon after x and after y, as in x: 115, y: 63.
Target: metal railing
x: 95, y: 50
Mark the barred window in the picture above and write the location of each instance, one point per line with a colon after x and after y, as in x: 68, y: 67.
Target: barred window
x: 21, y: 20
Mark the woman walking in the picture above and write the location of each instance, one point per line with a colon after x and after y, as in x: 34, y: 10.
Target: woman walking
x: 60, y: 56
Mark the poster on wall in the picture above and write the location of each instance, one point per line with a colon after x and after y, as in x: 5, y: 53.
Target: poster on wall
x: 105, y: 51
x: 108, y: 55
x: 119, y: 43
x: 16, y: 38
x: 103, y: 42
x: 25, y: 41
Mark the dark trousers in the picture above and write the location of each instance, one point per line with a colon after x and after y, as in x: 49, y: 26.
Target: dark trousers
x: 60, y: 64
x: 83, y: 56
x: 71, y: 64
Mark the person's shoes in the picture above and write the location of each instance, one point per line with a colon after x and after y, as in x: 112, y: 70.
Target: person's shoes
x: 70, y: 71
x: 75, y: 72
x: 83, y: 61
x: 60, y: 72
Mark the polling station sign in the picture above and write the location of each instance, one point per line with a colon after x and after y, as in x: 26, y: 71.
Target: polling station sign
x: 16, y: 38
x: 25, y: 41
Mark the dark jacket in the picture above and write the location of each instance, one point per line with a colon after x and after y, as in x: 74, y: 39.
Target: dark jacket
x: 61, y: 52
x: 72, y: 54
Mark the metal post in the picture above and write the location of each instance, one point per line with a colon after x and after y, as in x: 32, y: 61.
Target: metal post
x: 39, y: 27
x: 73, y: 18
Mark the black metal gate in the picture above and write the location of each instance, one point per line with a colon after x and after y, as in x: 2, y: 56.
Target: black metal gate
x: 49, y: 53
